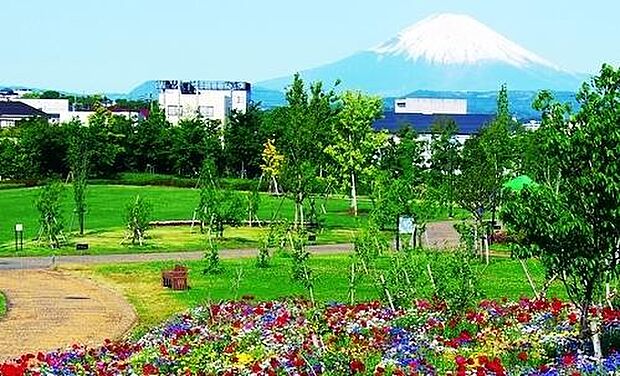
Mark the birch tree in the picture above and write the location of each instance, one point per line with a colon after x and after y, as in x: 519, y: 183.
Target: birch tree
x: 356, y: 143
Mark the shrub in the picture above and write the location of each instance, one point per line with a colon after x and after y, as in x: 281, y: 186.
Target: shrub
x: 137, y: 219
x: 49, y: 206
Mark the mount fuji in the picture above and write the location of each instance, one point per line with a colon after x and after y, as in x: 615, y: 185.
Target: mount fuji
x: 445, y: 52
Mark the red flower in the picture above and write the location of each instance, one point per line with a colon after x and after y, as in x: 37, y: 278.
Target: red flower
x: 523, y: 317
x: 496, y: 366
x: 572, y: 318
x: 568, y: 359
x: 357, y: 366
x: 149, y: 369
x: 522, y: 356
x: 9, y: 369
x: 256, y: 368
x: 379, y: 371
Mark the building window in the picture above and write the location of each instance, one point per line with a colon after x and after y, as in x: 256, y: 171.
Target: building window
x: 173, y: 111
x: 401, y: 104
x: 206, y: 111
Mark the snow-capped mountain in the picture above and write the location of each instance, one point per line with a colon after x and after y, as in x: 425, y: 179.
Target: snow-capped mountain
x: 442, y: 52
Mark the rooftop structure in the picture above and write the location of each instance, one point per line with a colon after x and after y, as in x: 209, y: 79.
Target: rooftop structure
x: 208, y: 99
x: 468, y: 124
x: 12, y: 112
x: 430, y: 106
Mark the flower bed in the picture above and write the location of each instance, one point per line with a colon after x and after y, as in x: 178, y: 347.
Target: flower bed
x: 291, y: 338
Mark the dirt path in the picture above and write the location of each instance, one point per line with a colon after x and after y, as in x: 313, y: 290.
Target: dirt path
x: 49, y: 310
x: 441, y: 235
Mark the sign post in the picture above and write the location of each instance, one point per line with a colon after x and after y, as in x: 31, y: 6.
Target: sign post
x: 405, y: 225
x: 19, y: 237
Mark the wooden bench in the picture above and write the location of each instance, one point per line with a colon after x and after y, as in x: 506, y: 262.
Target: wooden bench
x: 176, y: 279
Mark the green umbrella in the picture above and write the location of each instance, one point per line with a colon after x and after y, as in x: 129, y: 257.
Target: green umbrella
x: 519, y: 183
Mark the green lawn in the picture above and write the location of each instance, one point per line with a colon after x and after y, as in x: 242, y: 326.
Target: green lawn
x: 141, y: 283
x: 106, y: 208
x: 2, y: 304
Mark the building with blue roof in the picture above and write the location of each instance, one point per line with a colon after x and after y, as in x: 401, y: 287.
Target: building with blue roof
x: 468, y: 124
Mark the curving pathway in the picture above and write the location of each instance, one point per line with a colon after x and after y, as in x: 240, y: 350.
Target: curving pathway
x: 50, y: 309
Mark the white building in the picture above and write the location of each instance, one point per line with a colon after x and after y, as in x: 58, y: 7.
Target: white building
x: 430, y: 106
x: 422, y: 113
x: 58, y: 110
x: 208, y: 99
x: 53, y: 107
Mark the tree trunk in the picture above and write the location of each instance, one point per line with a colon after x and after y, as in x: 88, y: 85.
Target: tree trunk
x: 353, y: 195
x: 81, y: 220
x: 588, y: 329
x: 301, y: 210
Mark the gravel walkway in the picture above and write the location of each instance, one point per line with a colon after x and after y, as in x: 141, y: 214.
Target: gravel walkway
x: 49, y: 310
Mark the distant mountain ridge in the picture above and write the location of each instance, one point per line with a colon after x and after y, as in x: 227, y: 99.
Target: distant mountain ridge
x: 446, y: 52
x: 442, y: 56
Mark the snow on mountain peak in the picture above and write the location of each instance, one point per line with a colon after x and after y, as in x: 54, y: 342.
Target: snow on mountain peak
x: 457, y: 39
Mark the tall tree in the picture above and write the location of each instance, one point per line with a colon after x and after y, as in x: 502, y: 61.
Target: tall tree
x: 356, y: 143
x: 398, y: 183
x: 104, y: 143
x: 444, y: 161
x: 51, y: 224
x: 573, y: 226
x: 304, y: 125
x: 243, y: 142
x: 43, y: 148
x: 498, y: 143
x: 150, y: 143
x: 79, y: 156
x: 193, y: 140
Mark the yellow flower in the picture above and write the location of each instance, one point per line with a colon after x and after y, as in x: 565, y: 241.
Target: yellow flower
x: 244, y: 358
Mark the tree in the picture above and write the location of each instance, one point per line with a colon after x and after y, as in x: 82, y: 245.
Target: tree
x: 243, y: 142
x: 305, y: 126
x: 444, y: 161
x: 217, y: 207
x: 398, y: 184
x: 50, y: 94
x: 50, y: 218
x: 79, y: 155
x: 10, y: 161
x: 272, y: 165
x: 42, y: 147
x: 137, y: 219
x: 475, y: 186
x: 498, y: 143
x: 356, y: 143
x: 104, y: 141
x: 572, y: 226
x: 149, y: 143
x: 193, y: 140
x: 541, y: 142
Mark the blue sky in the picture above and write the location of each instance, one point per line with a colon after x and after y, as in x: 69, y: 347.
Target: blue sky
x: 114, y: 45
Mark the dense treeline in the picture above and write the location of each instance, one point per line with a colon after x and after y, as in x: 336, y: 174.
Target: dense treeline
x: 321, y: 142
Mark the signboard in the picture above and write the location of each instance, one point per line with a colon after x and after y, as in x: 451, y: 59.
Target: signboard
x: 405, y: 225
x: 19, y: 227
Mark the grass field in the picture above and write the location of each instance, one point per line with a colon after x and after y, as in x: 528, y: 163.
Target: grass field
x: 141, y: 284
x: 106, y: 208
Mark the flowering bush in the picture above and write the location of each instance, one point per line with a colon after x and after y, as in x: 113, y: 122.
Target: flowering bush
x: 528, y: 337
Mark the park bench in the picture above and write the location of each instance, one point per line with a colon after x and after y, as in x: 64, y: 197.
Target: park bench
x: 176, y: 279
